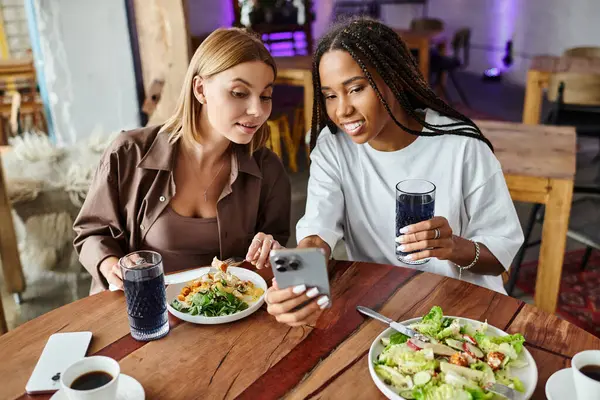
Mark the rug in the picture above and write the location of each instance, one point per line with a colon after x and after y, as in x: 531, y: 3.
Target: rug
x: 579, y: 297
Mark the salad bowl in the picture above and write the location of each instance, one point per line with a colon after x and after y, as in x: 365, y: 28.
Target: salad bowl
x: 388, y: 365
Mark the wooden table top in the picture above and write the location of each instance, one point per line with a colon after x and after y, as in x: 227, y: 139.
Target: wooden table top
x: 554, y: 64
x: 257, y: 355
x: 533, y: 150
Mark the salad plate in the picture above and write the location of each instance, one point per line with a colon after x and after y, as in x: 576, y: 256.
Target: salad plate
x: 461, y: 357
x: 217, y: 297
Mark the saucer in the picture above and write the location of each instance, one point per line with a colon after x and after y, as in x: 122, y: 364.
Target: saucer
x: 560, y: 385
x: 129, y: 389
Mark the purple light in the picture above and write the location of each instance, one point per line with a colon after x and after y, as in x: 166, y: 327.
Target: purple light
x: 280, y: 35
x: 229, y: 15
x: 502, y: 28
x: 492, y: 72
x: 300, y: 44
x: 281, y: 46
x: 283, y: 53
x: 299, y: 35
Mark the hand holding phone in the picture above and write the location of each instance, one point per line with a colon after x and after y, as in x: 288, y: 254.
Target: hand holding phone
x: 301, y: 286
x: 295, y: 267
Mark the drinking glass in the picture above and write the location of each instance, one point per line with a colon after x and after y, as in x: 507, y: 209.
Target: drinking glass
x: 144, y: 286
x: 415, y: 202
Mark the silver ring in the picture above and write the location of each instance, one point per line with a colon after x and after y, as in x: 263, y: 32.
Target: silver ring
x: 437, y: 233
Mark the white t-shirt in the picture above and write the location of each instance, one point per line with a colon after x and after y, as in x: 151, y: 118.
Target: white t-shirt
x: 352, y: 195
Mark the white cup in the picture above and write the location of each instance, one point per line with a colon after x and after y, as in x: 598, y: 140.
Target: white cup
x: 585, y: 387
x: 91, y: 364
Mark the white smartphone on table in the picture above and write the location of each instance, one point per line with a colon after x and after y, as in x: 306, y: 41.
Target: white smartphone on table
x: 292, y: 267
x: 61, y: 350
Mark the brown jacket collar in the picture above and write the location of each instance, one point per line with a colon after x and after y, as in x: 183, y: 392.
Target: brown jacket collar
x: 161, y: 156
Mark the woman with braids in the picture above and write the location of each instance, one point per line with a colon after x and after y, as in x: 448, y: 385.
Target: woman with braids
x: 378, y: 123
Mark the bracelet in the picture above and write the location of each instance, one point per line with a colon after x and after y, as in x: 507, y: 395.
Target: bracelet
x: 460, y: 268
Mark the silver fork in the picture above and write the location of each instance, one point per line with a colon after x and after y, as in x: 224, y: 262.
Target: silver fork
x: 234, y: 261
x: 502, y: 390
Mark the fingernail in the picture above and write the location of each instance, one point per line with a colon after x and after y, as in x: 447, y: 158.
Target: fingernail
x: 404, y: 230
x: 312, y: 292
x: 409, y: 257
x: 399, y: 239
x: 299, y: 289
x: 325, y: 304
x: 401, y: 248
x: 323, y: 300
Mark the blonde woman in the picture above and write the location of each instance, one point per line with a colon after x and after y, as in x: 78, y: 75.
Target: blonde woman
x: 200, y: 185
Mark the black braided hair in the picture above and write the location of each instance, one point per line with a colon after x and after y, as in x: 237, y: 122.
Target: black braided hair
x: 373, y: 44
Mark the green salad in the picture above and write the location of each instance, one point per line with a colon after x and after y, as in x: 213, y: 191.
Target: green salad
x: 456, y: 364
x: 216, y: 294
x: 211, y: 303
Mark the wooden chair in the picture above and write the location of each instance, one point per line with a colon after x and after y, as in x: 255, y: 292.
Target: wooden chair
x: 441, y: 64
x: 19, y: 77
x: 426, y: 24
x: 587, y: 52
x: 280, y: 131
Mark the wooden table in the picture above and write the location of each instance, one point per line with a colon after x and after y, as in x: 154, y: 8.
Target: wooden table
x: 259, y: 358
x: 297, y: 70
x: 539, y: 166
x: 538, y: 76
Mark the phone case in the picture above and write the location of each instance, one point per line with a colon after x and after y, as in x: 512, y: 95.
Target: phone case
x: 61, y: 350
x: 310, y: 270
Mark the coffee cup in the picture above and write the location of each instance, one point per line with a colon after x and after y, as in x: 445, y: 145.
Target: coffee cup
x: 586, y: 374
x: 91, y: 378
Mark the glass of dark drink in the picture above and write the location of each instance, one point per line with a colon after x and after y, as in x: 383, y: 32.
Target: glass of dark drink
x: 144, y: 286
x: 415, y: 202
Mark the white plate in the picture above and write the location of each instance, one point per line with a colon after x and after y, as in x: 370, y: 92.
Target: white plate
x: 242, y: 273
x: 129, y: 389
x: 527, y: 375
x: 560, y: 385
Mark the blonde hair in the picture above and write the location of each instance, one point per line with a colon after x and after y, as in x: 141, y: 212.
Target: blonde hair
x: 223, y: 49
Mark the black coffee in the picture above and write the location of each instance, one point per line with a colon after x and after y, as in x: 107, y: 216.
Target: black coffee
x: 91, y: 380
x: 591, y: 371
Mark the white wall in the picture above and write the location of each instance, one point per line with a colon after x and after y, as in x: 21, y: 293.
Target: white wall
x: 87, y: 62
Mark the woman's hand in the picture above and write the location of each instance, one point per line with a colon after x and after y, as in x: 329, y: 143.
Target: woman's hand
x: 110, y: 269
x: 282, y: 303
x: 431, y: 238
x: 258, y: 252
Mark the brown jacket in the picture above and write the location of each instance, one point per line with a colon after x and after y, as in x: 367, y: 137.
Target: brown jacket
x: 134, y: 183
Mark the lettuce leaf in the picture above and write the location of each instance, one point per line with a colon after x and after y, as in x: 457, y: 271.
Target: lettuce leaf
x: 431, y: 324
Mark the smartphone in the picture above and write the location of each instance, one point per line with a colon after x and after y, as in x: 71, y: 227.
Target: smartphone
x: 61, y: 350
x: 292, y: 267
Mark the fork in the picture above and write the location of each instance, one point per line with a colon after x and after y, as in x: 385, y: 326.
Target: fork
x: 502, y: 390
x: 234, y: 261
